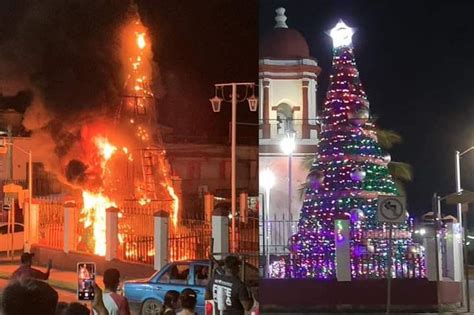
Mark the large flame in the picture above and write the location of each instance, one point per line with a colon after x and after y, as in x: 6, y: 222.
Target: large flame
x: 141, y: 131
x: 93, y: 212
x: 96, y: 203
x: 174, y: 215
x: 106, y: 149
x: 141, y: 43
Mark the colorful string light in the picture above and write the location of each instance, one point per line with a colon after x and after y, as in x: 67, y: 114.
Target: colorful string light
x: 348, y: 142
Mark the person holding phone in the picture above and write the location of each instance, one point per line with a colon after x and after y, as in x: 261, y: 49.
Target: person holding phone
x: 26, y: 271
x: 98, y: 302
x: 86, y: 278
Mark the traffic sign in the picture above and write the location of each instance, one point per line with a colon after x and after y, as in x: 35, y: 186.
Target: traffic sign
x: 391, y: 209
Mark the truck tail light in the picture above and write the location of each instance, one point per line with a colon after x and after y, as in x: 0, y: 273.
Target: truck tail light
x: 209, y: 308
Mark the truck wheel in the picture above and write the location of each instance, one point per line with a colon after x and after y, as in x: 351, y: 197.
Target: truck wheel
x: 151, y: 307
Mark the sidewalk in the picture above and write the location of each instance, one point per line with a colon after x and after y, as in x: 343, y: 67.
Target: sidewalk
x: 63, y: 280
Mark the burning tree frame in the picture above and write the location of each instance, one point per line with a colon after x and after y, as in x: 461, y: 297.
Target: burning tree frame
x: 121, y: 179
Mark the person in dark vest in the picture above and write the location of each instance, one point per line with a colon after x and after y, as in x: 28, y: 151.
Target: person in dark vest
x: 237, y: 298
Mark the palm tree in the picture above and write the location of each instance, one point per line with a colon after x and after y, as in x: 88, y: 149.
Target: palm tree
x: 387, y: 138
x: 401, y: 172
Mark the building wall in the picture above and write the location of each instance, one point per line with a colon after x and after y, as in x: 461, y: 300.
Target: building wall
x: 279, y: 193
x: 207, y: 168
x: 44, y: 183
x: 20, y: 160
x: 292, y: 82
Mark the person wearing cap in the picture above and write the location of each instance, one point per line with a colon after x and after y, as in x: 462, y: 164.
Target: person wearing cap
x: 236, y: 297
x: 188, y: 300
x: 26, y: 271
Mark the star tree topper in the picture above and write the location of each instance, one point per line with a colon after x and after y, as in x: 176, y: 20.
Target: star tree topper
x: 341, y: 34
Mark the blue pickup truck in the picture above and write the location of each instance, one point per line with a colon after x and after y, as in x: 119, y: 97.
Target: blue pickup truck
x: 146, y: 296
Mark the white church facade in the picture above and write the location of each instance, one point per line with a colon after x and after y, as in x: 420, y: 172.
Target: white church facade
x: 288, y: 108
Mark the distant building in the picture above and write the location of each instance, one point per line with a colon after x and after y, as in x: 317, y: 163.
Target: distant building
x: 288, y: 85
x: 44, y: 183
x: 207, y: 168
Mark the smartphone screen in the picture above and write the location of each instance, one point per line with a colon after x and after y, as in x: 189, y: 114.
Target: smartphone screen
x: 85, y: 281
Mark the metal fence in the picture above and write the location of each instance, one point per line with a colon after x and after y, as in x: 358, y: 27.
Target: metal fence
x: 365, y: 265
x: 247, y: 235
x: 136, y: 233
x: 247, y: 239
x: 274, y: 248
x: 51, y: 223
x: 191, y: 239
x: 137, y: 248
x: 148, y: 208
x: 275, y: 233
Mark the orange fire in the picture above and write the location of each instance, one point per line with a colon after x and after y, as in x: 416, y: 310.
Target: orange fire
x: 95, y: 203
x: 127, y: 153
x: 140, y: 119
x: 174, y: 215
x: 144, y: 201
x: 93, y: 212
x: 141, y: 43
x: 106, y: 149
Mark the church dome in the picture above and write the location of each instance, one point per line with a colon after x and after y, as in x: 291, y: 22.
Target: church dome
x: 284, y: 42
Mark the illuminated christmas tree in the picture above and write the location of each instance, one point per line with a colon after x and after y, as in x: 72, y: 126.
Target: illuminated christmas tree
x: 348, y: 174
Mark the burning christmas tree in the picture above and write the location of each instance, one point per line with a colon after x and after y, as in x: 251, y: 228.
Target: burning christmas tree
x: 124, y: 160
x: 348, y: 174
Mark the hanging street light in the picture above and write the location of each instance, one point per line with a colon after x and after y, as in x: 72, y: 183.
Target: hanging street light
x: 216, y: 102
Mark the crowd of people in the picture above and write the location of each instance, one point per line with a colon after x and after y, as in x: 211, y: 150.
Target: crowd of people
x: 32, y: 296
x: 27, y: 293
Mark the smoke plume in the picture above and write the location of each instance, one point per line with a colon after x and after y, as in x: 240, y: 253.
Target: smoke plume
x: 68, y: 54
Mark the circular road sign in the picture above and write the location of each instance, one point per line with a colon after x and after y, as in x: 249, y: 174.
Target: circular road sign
x: 391, y: 209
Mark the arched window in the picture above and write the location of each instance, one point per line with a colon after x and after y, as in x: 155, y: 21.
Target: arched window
x: 284, y: 118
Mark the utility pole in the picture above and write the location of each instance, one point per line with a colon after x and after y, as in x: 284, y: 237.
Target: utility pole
x: 9, y: 154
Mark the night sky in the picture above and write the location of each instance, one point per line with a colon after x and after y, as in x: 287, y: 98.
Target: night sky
x: 68, y: 51
x: 416, y: 62
x: 197, y: 44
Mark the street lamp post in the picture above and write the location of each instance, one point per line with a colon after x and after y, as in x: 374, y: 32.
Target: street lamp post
x: 216, y: 102
x: 287, y: 145
x: 267, y: 181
